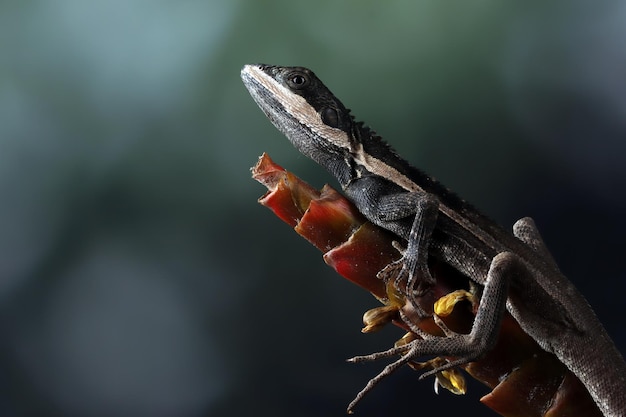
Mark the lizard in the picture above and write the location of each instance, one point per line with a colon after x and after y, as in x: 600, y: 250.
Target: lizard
x: 515, y: 270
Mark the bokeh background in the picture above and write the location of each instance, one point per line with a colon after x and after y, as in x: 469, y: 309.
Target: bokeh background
x: 138, y: 275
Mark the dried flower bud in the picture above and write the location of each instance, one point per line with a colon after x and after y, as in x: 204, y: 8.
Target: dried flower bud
x: 376, y: 318
x: 394, y: 296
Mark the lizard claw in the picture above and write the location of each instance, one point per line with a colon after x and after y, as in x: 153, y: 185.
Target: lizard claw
x: 411, y: 281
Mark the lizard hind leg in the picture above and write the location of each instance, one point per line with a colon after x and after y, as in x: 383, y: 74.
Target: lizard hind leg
x: 464, y: 348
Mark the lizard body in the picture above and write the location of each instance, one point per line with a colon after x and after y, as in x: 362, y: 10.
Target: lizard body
x: 516, y: 269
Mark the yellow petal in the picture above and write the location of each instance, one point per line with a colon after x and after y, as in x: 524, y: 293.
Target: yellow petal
x: 444, y: 306
x: 452, y: 380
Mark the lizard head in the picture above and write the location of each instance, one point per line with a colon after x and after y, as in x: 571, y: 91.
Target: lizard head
x: 305, y: 111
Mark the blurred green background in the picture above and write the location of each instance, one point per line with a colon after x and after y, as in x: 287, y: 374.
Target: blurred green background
x: 138, y: 275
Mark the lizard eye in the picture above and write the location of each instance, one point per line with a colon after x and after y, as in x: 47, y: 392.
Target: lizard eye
x: 297, y: 80
x: 330, y: 117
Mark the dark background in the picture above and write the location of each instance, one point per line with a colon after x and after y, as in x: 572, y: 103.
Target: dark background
x: 138, y: 275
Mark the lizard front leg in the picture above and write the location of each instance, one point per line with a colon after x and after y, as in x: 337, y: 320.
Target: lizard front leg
x: 413, y: 216
x: 465, y: 347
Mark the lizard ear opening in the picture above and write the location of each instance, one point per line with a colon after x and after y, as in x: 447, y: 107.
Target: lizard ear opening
x: 330, y: 117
